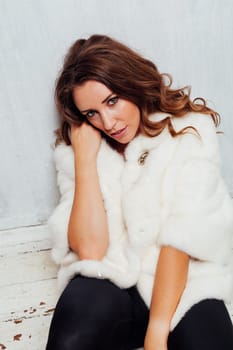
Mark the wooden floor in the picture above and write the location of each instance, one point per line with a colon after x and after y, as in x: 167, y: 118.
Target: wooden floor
x: 27, y: 288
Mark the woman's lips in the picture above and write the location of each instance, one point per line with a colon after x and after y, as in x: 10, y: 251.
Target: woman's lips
x: 119, y: 133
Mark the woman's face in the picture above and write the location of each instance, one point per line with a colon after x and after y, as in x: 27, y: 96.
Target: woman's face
x: 116, y: 117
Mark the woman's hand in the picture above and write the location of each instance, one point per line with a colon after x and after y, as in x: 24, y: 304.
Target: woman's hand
x: 85, y: 141
x: 156, y: 338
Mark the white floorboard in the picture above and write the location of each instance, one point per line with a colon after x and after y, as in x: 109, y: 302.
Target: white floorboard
x: 27, y: 288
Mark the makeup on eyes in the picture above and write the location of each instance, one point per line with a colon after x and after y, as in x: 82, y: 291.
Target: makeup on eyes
x: 111, y: 101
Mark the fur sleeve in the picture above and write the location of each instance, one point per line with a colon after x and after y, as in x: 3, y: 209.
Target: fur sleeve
x: 199, y: 217
x: 58, y: 221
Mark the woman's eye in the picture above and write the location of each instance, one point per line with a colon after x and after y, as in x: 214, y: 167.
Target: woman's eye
x: 112, y: 101
x: 90, y: 114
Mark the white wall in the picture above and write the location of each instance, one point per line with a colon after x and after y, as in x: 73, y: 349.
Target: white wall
x: 190, y: 39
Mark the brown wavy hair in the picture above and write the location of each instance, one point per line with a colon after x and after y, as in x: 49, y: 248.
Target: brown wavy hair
x: 130, y: 76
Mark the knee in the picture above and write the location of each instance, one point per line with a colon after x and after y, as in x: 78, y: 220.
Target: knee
x: 87, y: 306
x: 106, y: 301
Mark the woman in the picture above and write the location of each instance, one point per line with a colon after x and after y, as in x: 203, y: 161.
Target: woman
x: 143, y: 229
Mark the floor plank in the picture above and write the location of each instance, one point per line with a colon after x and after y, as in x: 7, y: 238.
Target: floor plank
x: 28, y: 291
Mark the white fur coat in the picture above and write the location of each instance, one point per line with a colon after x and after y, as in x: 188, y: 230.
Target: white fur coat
x: 176, y: 197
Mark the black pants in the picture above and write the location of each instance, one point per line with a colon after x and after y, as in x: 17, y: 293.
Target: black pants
x: 94, y: 314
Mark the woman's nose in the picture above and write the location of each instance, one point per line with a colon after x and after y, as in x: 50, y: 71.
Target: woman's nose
x: 108, y: 121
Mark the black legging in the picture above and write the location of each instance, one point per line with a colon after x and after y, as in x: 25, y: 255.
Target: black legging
x: 94, y: 314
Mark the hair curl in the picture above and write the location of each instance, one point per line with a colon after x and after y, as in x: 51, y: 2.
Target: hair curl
x: 131, y: 77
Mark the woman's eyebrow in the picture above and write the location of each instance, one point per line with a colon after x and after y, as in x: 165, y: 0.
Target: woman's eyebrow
x: 107, y: 98
x: 85, y: 110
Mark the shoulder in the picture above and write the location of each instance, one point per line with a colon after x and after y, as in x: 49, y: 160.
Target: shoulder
x: 206, y: 141
x: 64, y: 158
x: 61, y: 151
x: 203, y: 123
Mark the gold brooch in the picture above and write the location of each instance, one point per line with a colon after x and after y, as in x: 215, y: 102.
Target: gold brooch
x: 142, y: 158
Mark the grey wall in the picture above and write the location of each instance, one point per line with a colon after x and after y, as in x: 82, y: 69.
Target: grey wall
x: 190, y: 39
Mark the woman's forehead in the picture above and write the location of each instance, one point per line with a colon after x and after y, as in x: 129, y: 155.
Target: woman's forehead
x: 91, y: 91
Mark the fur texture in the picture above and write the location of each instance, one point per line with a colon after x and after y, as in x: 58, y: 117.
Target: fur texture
x: 177, y: 198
